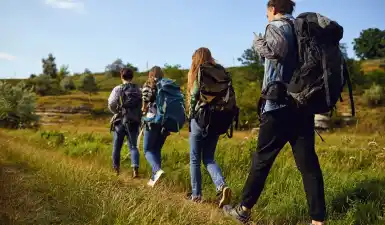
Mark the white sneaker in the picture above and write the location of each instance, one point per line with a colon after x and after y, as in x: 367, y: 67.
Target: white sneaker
x: 157, y: 175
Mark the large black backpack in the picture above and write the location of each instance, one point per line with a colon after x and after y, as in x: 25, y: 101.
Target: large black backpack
x: 130, y: 103
x: 216, y: 109
x: 321, y: 72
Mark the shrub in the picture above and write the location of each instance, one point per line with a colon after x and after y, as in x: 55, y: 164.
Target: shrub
x: 17, y: 106
x: 377, y: 77
x: 374, y: 96
x: 45, y: 85
x: 67, y: 84
x: 88, y: 85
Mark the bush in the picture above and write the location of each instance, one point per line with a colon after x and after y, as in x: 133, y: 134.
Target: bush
x: 377, y: 77
x: 17, y: 106
x: 67, y: 84
x: 45, y: 85
x: 375, y: 96
x: 88, y: 84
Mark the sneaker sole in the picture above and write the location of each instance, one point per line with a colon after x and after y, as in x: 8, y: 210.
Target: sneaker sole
x: 226, y: 197
x: 157, y: 181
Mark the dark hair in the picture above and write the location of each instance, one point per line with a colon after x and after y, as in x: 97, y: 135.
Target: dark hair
x: 282, y: 6
x: 127, y: 74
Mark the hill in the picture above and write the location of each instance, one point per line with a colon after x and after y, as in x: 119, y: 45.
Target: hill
x: 373, y: 65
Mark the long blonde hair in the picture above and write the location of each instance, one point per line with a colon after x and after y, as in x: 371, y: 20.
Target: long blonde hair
x: 154, y: 74
x: 200, y: 56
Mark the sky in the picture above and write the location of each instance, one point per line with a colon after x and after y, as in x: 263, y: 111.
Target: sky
x: 93, y: 33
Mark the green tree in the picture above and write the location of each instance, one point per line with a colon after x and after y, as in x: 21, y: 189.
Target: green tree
x: 49, y: 66
x: 113, y: 69
x: 87, y: 71
x: 88, y: 85
x: 67, y: 84
x: 45, y: 85
x: 251, y: 59
x: 129, y: 65
x: 344, y: 50
x: 17, y: 106
x: 370, y: 44
x: 63, y: 72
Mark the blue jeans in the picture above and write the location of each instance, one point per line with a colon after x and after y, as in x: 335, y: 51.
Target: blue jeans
x: 120, y: 132
x: 153, y: 141
x: 203, y: 149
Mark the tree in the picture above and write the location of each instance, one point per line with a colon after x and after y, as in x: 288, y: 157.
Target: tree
x: 88, y: 85
x: 63, y: 72
x: 370, y: 44
x: 113, y: 69
x: 251, y: 59
x: 129, y: 65
x: 344, y: 50
x: 67, y: 84
x: 32, y: 76
x: 49, y: 66
x: 87, y: 71
x: 45, y: 85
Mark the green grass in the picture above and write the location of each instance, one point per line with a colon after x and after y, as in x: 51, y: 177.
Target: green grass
x: 352, y: 165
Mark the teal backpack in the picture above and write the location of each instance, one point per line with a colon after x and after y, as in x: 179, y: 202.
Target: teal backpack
x: 170, y: 108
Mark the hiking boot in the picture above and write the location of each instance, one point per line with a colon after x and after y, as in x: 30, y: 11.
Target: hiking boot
x: 117, y: 170
x: 224, y: 196
x: 135, y: 173
x: 155, y: 179
x: 237, y: 213
x: 197, y: 199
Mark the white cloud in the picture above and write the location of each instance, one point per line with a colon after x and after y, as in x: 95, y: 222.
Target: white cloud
x: 75, y: 5
x: 6, y: 56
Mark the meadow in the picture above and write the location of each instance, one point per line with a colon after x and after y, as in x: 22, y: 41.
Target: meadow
x: 60, y: 172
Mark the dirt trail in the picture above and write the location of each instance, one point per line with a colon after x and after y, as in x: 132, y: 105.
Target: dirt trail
x: 41, y: 159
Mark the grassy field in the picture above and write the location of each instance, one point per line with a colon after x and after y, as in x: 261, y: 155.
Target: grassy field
x: 51, y: 177
x: 61, y: 173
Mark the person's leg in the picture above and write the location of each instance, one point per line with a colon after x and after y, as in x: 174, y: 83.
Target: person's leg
x: 208, y: 153
x: 160, y: 140
x: 149, y: 141
x: 303, y: 146
x: 273, y: 135
x: 118, y: 139
x: 132, y: 138
x: 195, y: 140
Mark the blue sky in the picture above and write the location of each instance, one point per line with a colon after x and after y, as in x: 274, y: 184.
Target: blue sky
x: 93, y: 33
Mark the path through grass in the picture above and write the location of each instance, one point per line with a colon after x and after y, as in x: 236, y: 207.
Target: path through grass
x: 80, y: 189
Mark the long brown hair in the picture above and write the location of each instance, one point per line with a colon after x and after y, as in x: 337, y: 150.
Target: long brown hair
x: 200, y: 56
x: 154, y: 74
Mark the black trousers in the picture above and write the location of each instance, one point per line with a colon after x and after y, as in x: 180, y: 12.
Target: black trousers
x: 276, y: 129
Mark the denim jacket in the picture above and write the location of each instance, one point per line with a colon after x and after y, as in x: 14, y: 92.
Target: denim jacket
x: 278, y: 51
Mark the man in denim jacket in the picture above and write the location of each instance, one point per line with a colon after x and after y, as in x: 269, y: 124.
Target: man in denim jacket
x: 281, y: 123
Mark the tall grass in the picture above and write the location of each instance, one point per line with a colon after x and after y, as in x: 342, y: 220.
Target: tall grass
x: 352, y: 166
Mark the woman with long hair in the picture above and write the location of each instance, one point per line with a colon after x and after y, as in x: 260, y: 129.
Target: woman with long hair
x: 202, y: 148
x: 153, y: 137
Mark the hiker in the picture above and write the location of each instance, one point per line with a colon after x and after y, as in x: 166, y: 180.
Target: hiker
x: 204, y: 135
x: 164, y: 112
x: 125, y: 102
x: 281, y: 122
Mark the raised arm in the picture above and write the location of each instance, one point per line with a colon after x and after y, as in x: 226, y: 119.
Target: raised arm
x: 273, y: 45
